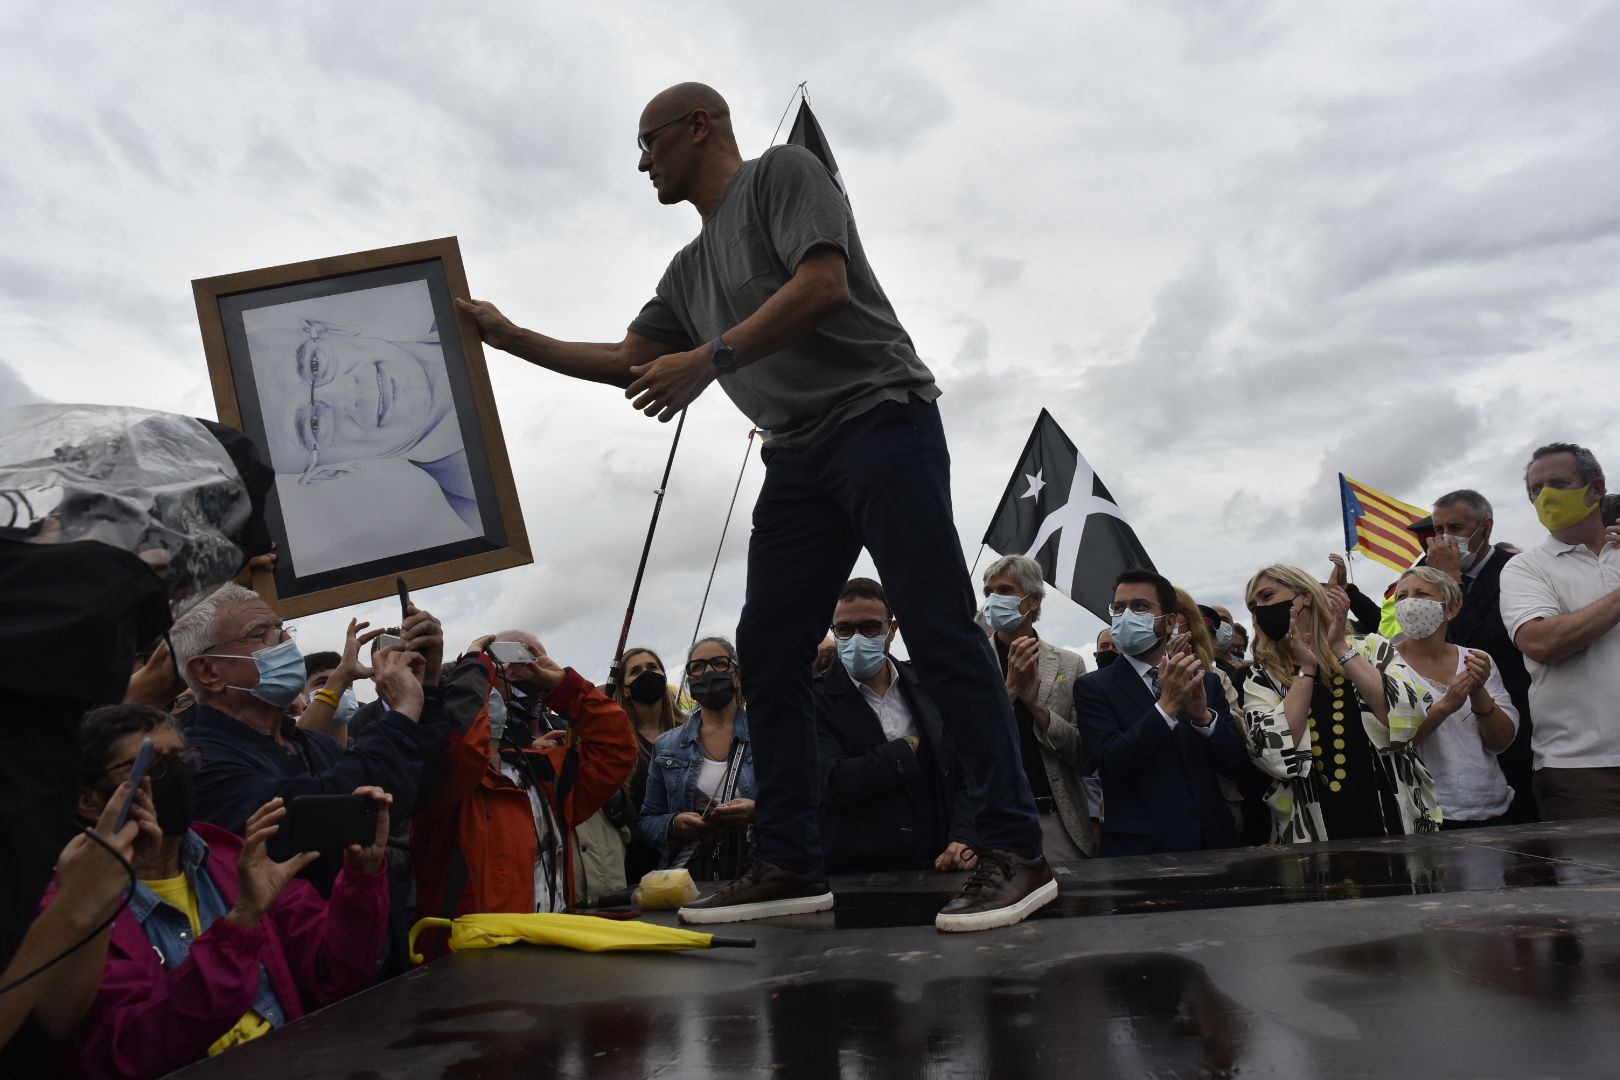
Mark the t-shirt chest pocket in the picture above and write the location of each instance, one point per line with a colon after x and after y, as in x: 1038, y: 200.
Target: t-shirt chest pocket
x: 750, y: 265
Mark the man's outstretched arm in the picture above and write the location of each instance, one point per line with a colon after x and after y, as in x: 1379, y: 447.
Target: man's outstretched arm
x: 603, y: 362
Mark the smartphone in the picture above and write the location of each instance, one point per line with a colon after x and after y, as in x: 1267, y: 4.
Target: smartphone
x: 404, y: 599
x: 510, y: 652
x: 332, y: 822
x: 389, y: 641
x: 137, y: 775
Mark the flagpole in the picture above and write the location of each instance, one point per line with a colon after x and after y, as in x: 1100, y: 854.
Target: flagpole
x: 747, y: 453
x: 617, y: 666
x: 976, y: 559
x: 798, y: 91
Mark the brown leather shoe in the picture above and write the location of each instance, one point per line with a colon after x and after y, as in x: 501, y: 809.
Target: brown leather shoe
x: 1003, y: 890
x: 762, y: 892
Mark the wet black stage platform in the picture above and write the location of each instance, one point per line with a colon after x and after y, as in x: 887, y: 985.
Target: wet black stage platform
x: 1493, y: 953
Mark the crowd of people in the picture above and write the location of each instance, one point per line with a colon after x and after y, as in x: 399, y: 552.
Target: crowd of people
x: 504, y: 781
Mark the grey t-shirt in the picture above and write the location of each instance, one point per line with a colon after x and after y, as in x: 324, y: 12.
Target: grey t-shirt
x: 776, y: 210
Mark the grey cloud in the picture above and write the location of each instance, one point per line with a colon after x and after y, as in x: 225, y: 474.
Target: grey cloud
x: 13, y: 390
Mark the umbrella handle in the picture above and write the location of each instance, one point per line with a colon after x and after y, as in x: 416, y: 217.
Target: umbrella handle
x: 424, y: 924
x: 731, y: 942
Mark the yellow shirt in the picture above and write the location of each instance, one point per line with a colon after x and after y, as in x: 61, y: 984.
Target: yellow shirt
x: 180, y: 894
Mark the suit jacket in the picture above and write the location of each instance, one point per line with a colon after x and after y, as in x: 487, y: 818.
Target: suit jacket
x: 1159, y: 784
x: 883, y: 805
x: 1479, y: 626
x: 1064, y: 753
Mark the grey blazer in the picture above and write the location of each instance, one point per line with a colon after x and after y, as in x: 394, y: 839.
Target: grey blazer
x: 1063, y: 751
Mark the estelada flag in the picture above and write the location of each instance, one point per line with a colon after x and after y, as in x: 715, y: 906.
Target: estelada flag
x: 1378, y: 525
x: 807, y: 133
x: 1057, y: 511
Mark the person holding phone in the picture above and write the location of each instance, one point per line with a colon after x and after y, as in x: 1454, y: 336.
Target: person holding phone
x: 220, y: 943
x: 245, y: 668
x: 1160, y: 728
x: 495, y: 831
x: 699, y: 806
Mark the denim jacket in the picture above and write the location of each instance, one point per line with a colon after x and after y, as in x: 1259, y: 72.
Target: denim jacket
x: 672, y: 778
x: 169, y: 928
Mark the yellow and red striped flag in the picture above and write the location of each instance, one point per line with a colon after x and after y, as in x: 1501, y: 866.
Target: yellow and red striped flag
x: 1376, y: 524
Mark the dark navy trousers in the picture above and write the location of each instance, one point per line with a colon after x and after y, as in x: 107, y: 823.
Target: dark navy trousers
x: 881, y: 480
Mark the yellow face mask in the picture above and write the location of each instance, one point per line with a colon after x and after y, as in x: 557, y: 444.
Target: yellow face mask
x: 1559, y: 508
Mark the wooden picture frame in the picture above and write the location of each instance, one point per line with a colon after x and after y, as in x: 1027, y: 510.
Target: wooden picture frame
x: 394, y: 464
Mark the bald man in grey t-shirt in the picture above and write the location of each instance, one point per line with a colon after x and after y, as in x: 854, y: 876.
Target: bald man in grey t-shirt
x: 774, y: 299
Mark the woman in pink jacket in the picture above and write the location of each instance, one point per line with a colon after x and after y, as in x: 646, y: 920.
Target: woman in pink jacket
x: 219, y: 944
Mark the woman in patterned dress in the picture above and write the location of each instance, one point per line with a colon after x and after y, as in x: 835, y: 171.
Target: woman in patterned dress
x: 1329, y: 720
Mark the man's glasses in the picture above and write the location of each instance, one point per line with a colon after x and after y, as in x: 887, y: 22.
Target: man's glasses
x: 645, y: 140
x: 694, y: 668
x: 189, y: 756
x: 843, y: 631
x: 269, y: 635
x: 1137, y: 607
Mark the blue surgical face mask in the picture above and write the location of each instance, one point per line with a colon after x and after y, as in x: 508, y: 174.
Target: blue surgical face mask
x: 863, y: 656
x: 1223, y: 636
x: 1133, y: 632
x: 281, y: 673
x: 497, y: 715
x: 1003, y: 612
x: 347, y: 706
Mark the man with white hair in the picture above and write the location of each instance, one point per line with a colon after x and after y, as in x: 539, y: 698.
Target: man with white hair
x: 245, y: 669
x: 1040, y: 684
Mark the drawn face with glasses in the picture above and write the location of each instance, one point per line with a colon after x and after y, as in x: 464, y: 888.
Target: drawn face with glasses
x: 331, y: 397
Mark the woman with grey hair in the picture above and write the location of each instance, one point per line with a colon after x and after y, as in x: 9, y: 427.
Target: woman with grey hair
x: 1469, y: 718
x: 1040, y: 682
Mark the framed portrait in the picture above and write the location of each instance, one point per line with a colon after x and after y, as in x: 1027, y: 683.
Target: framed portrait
x: 366, y: 392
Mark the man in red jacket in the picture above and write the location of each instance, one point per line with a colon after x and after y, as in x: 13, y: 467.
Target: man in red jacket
x: 493, y: 832
x: 219, y: 944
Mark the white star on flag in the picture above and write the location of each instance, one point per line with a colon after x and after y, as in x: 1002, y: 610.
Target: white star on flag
x: 1035, y: 485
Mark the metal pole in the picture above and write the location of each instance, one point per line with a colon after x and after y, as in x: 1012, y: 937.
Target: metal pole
x: 747, y: 450
x: 615, y: 669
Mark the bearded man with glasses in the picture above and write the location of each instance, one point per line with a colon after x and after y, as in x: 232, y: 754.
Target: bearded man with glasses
x: 775, y: 300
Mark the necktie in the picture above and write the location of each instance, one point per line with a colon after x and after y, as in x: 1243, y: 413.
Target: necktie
x: 1153, y: 682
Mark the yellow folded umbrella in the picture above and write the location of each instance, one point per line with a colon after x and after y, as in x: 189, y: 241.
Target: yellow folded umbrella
x: 587, y: 933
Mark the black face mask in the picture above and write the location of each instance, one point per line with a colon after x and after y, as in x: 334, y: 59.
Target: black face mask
x: 714, y: 690
x: 648, y: 688
x: 174, y: 797
x: 1106, y: 658
x: 1272, y: 619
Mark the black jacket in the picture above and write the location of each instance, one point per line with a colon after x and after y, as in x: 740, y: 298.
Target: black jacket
x: 1160, y: 791
x: 243, y: 769
x: 884, y: 806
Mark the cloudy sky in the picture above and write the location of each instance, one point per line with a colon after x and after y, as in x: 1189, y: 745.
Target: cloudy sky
x: 1235, y: 248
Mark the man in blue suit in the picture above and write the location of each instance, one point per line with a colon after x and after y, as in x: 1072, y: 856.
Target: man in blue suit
x: 1160, y: 729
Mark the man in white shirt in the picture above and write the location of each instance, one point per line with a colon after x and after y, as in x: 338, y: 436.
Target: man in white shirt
x: 1561, y: 603
x: 893, y: 796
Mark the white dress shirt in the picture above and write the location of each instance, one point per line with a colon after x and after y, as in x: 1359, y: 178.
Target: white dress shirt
x: 893, y: 714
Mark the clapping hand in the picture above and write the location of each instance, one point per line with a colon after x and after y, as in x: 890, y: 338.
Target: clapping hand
x: 1023, y: 670
x: 1301, y: 633
x: 1339, y: 574
x: 1181, y: 683
x: 260, y: 878
x: 1338, y: 618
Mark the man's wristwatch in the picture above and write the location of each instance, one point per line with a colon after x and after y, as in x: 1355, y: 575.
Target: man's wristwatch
x: 724, y: 356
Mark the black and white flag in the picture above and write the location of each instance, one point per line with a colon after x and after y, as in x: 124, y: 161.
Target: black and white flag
x: 1057, y: 512
x: 807, y: 133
